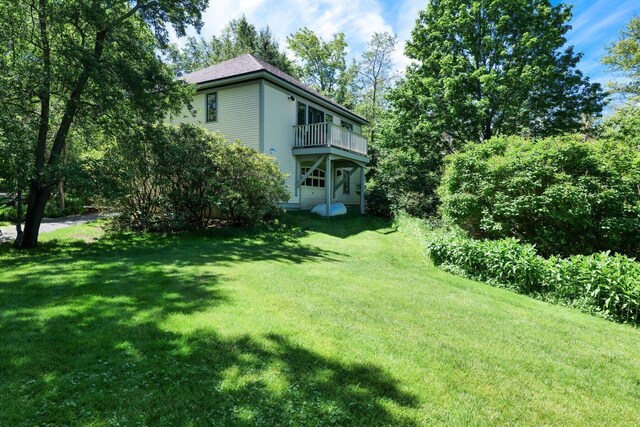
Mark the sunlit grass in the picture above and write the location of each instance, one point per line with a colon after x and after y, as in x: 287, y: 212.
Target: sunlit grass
x: 317, y: 322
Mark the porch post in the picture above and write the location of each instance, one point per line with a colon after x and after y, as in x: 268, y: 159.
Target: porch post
x: 297, y: 177
x: 328, y: 185
x: 362, y: 187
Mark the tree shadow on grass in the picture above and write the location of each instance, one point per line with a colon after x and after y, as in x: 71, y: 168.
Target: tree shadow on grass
x: 147, y: 376
x: 216, y: 246
x: 343, y: 226
x: 83, y: 341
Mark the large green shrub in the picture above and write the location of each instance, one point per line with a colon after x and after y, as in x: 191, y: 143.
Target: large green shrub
x: 377, y: 200
x: 170, y: 178
x: 408, y: 176
x: 601, y: 283
x: 565, y: 195
x: 250, y: 185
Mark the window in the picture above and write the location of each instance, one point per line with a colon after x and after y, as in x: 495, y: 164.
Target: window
x: 329, y: 118
x: 302, y: 113
x: 346, y: 125
x: 316, y: 179
x: 315, y: 116
x: 212, y: 107
x: 346, y: 183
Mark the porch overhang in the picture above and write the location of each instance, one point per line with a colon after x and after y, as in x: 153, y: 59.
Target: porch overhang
x: 336, y: 153
x: 332, y: 158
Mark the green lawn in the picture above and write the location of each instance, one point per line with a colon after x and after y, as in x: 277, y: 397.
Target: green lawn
x: 338, y: 321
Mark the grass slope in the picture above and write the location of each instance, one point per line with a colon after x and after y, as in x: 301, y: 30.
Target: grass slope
x: 339, y: 321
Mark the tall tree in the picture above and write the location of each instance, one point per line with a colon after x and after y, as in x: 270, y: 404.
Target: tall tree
x: 70, y: 62
x: 237, y: 38
x: 485, y: 68
x: 481, y: 68
x: 375, y: 74
x: 624, y: 56
x: 323, y: 65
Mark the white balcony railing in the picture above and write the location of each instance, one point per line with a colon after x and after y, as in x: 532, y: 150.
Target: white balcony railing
x: 328, y: 135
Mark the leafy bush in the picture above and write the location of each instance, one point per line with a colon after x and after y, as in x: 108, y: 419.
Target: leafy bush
x: 171, y: 178
x: 610, y: 283
x: 599, y: 283
x: 409, y: 178
x: 563, y: 194
x: 505, y: 263
x: 377, y: 200
x: 250, y: 186
x: 73, y: 206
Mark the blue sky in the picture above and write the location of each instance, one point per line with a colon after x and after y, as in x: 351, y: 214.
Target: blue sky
x: 596, y: 22
x: 595, y: 25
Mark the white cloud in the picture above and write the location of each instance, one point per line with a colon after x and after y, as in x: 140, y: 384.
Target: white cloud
x: 220, y: 12
x: 406, y: 16
x: 597, y: 26
x: 358, y: 19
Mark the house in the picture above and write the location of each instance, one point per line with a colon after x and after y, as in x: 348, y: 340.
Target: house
x: 315, y: 140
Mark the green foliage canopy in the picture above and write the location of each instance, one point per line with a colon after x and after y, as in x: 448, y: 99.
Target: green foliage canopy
x: 623, y: 125
x: 323, y: 65
x: 480, y: 69
x: 375, y: 77
x: 83, y: 64
x: 494, y: 68
x: 238, y: 37
x: 624, y: 56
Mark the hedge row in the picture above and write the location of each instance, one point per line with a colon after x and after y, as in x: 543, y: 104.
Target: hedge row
x: 601, y: 283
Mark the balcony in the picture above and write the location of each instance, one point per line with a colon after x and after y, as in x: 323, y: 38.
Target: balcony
x: 319, y: 135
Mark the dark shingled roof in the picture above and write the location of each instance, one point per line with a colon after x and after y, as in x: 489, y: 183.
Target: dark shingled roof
x: 247, y: 64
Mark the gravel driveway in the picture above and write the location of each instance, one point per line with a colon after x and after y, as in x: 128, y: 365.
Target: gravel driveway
x: 50, y: 224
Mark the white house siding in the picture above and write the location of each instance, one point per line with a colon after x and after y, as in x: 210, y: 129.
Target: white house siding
x: 279, y: 119
x: 280, y: 115
x: 238, y: 113
x: 239, y: 118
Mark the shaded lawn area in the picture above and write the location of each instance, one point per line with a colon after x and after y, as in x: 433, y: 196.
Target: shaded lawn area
x: 319, y: 322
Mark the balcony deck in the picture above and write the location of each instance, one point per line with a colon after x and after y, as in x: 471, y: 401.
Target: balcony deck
x: 321, y: 137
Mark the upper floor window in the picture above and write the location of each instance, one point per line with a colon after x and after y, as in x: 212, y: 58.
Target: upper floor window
x: 329, y: 118
x: 212, y: 107
x: 314, y: 115
x: 346, y: 125
x: 302, y: 113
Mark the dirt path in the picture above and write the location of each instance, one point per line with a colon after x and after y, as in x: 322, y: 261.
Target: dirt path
x: 8, y: 232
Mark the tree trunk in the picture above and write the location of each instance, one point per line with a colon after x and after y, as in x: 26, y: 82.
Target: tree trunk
x: 61, y: 195
x: 39, y: 190
x: 19, y: 233
x: 373, y: 110
x: 488, y: 127
x: 61, y: 183
x: 38, y: 197
x: 32, y: 221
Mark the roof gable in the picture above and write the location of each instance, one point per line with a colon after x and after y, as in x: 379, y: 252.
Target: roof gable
x: 248, y: 64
